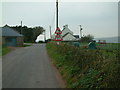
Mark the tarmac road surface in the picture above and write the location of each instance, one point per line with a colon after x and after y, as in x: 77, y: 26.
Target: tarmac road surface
x: 29, y: 67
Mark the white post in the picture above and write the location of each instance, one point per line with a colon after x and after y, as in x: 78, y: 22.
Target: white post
x: 80, y: 32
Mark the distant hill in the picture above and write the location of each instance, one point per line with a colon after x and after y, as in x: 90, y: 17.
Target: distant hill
x: 110, y: 39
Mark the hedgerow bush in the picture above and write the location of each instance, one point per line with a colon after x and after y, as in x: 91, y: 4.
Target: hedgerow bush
x: 84, y: 68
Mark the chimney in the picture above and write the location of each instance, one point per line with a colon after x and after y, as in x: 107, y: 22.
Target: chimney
x: 65, y: 26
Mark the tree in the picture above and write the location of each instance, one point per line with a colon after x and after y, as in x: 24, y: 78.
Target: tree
x: 30, y: 34
x: 87, y: 38
x: 37, y: 31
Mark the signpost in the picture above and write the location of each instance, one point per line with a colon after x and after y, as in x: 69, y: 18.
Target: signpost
x: 58, y: 31
x: 58, y: 35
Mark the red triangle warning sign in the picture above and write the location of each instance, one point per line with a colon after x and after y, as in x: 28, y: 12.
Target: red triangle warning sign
x: 58, y: 35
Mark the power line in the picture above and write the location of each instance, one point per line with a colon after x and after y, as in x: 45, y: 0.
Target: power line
x: 53, y: 19
x: 50, y: 33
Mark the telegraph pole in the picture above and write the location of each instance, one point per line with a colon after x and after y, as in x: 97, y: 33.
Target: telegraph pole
x: 44, y: 36
x: 56, y: 13
x: 21, y: 27
x: 58, y: 31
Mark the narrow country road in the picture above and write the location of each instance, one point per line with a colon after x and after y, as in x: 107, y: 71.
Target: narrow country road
x: 29, y: 67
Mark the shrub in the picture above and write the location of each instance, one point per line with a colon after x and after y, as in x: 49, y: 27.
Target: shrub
x: 83, y: 68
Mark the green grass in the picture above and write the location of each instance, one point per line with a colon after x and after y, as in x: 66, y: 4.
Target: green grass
x: 5, y: 50
x: 83, y: 68
x: 26, y: 45
x: 109, y: 46
x: 0, y: 50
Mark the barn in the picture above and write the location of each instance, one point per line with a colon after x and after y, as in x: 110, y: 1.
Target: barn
x: 10, y: 37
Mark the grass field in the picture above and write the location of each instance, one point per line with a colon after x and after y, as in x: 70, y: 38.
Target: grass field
x: 109, y: 46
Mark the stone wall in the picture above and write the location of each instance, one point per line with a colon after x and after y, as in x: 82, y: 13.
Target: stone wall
x: 20, y: 41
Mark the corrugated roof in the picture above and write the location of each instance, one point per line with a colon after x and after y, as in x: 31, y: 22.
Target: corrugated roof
x: 7, y: 31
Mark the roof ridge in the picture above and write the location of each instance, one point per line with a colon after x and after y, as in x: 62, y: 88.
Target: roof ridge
x: 8, y: 31
x: 68, y: 33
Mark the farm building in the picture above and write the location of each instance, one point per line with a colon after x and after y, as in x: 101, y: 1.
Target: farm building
x: 67, y: 34
x: 10, y: 37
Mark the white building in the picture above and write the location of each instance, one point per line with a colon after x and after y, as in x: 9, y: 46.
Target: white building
x: 67, y: 34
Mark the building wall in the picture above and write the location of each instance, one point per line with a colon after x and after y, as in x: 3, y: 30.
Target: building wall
x: 20, y: 41
x: 66, y: 30
x: 9, y: 41
x: 69, y: 37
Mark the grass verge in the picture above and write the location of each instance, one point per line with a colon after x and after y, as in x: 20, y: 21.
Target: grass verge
x: 5, y: 50
x: 83, y: 68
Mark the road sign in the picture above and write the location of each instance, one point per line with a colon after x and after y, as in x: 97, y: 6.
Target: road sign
x: 58, y: 35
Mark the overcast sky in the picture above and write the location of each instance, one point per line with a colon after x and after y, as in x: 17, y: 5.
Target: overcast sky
x: 97, y: 18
